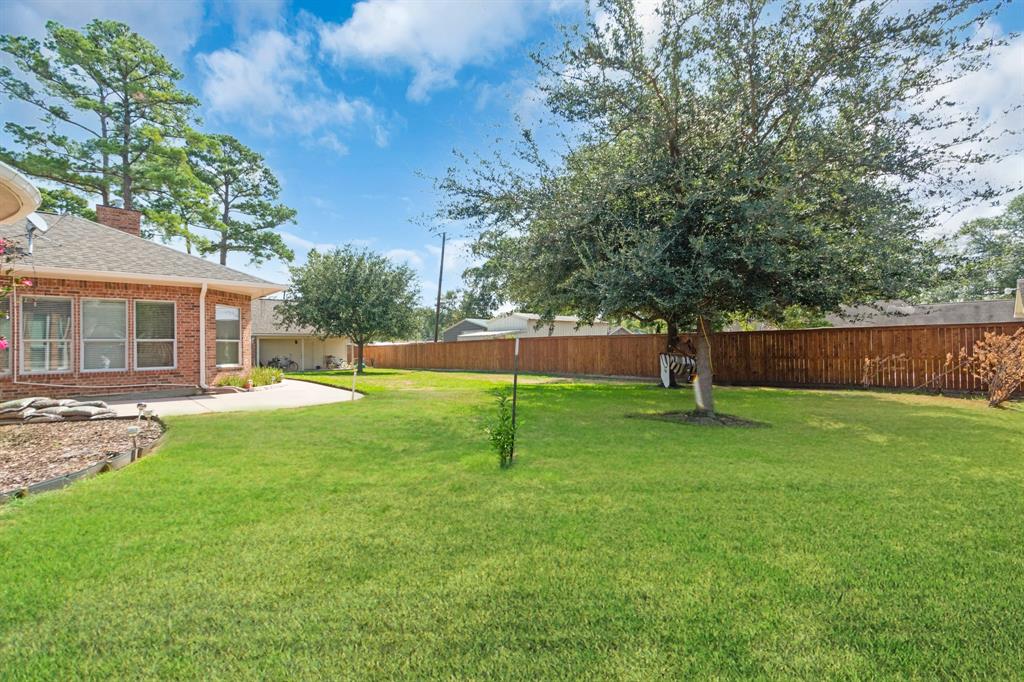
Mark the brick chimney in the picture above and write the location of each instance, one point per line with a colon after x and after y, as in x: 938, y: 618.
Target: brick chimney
x: 120, y: 219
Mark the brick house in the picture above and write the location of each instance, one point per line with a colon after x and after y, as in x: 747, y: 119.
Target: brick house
x: 110, y: 312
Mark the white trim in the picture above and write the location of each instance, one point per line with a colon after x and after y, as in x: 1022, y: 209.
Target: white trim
x: 9, y: 369
x: 135, y: 335
x: 23, y: 342
x: 253, y: 289
x: 202, y: 336
x: 23, y: 191
x: 82, y: 340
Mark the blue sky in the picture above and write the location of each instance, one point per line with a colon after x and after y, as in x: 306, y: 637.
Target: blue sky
x: 350, y: 102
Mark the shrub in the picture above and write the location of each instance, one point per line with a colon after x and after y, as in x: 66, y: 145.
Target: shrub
x: 503, y: 432
x: 236, y: 380
x: 264, y: 376
x: 998, y: 361
x: 260, y: 376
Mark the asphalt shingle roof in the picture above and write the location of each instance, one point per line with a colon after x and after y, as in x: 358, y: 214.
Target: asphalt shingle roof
x: 265, y: 322
x: 76, y: 243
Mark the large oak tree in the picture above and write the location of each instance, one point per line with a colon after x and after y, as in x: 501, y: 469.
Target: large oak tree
x: 746, y: 157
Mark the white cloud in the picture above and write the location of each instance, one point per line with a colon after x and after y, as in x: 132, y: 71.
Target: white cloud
x: 433, y: 39
x: 407, y: 256
x: 251, y: 15
x: 270, y: 82
x: 173, y: 27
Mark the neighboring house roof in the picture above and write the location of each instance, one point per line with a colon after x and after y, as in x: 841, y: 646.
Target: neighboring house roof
x: 477, y: 336
x: 76, y: 248
x: 266, y: 323
x: 557, y: 318
x: 620, y: 331
x: 475, y: 321
x: 899, y: 313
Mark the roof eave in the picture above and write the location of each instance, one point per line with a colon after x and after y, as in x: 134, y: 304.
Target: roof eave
x: 253, y: 289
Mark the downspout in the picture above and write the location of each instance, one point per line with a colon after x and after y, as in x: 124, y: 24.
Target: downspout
x: 202, y: 337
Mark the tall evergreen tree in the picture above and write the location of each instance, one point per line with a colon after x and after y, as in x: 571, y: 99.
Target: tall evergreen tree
x: 110, y: 109
x: 752, y: 156
x: 245, y: 192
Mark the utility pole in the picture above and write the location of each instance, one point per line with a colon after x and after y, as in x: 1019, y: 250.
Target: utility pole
x: 440, y: 276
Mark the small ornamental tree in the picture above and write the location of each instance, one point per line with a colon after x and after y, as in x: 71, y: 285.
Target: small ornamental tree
x: 352, y: 292
x: 998, y: 361
x: 748, y: 157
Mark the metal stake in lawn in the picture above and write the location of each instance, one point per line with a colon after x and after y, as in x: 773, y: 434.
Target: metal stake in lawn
x: 515, y: 391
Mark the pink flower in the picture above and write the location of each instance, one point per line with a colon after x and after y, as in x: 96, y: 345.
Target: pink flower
x: 3, y: 343
x: 26, y: 282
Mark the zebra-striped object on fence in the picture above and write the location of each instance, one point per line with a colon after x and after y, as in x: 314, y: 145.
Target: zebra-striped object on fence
x: 684, y: 367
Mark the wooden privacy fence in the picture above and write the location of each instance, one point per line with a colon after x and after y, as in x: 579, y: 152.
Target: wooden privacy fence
x: 805, y: 357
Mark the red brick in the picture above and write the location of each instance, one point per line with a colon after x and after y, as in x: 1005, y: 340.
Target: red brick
x: 120, y: 219
x: 186, y: 373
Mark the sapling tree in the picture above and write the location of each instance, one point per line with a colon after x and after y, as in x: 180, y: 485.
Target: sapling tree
x: 352, y: 292
x: 746, y: 157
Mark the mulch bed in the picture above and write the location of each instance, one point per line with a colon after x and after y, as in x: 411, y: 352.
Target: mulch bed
x: 701, y: 419
x: 32, y: 453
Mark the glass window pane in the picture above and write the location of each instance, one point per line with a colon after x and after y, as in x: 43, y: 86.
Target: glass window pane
x: 104, y: 355
x: 47, y: 356
x: 104, y: 320
x: 151, y: 354
x: 5, y: 331
x: 227, y: 353
x: 154, y: 320
x: 46, y: 318
x: 229, y: 325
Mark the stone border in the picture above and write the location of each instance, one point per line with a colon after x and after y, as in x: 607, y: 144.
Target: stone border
x: 114, y: 463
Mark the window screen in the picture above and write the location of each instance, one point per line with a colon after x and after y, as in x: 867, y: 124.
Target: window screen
x: 45, y: 334
x: 229, y: 336
x: 104, y: 335
x: 154, y: 335
x: 5, y: 331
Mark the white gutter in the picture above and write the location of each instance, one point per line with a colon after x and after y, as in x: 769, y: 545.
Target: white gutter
x: 202, y: 337
x: 18, y: 196
x: 255, y: 290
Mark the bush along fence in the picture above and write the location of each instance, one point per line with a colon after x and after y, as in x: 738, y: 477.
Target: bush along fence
x: 904, y: 357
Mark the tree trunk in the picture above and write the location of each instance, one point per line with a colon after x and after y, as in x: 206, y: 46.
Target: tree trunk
x: 359, y: 357
x: 224, y: 250
x: 702, y: 384
x: 671, y: 346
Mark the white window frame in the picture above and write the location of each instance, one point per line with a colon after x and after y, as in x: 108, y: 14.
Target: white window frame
x: 217, y: 341
x: 83, y: 340
x: 136, y: 340
x: 11, y: 319
x: 24, y: 342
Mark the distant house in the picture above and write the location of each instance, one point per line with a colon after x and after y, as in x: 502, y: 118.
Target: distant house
x: 470, y: 324
x: 899, y: 313
x: 620, y: 331
x: 110, y: 312
x: 524, y: 325
x: 272, y: 339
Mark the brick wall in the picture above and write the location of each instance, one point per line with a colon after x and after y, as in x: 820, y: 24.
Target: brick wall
x: 78, y: 382
x: 119, y: 219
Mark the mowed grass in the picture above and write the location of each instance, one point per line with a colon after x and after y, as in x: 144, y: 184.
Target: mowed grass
x: 859, y: 535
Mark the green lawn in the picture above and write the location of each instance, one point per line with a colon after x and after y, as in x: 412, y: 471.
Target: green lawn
x: 859, y: 535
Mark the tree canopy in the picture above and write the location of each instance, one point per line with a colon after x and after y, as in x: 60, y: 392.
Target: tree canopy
x: 109, y: 104
x: 749, y: 157
x: 352, y: 292
x: 984, y: 259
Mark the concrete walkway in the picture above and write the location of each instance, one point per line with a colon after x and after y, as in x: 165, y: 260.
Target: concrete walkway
x: 286, y: 394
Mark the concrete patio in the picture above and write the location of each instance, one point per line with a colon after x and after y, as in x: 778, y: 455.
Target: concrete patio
x: 288, y: 393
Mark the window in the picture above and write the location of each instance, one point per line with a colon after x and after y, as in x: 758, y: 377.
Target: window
x: 45, y: 335
x: 5, y: 332
x: 229, y: 336
x: 104, y: 335
x: 155, y: 342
